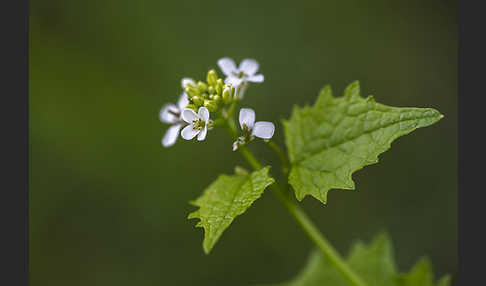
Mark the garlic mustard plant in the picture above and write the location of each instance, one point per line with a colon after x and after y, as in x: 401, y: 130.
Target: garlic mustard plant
x: 324, y: 145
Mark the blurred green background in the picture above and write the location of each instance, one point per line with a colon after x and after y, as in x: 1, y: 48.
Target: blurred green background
x: 108, y: 204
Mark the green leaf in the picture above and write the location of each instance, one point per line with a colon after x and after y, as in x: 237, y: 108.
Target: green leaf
x: 226, y: 198
x: 331, y: 140
x: 374, y: 263
x: 421, y: 274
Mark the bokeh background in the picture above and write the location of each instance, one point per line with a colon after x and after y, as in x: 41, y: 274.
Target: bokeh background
x: 108, y: 204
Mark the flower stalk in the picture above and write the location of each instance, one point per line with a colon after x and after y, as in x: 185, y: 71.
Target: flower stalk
x: 281, y: 155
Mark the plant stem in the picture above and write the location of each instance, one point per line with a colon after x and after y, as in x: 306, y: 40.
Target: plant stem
x: 281, y: 155
x: 300, y: 217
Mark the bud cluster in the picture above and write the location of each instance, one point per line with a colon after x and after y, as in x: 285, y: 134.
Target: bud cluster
x: 212, y: 94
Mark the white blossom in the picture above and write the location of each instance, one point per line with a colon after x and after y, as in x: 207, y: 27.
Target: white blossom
x: 236, y: 76
x: 171, y: 114
x: 198, y: 123
x: 260, y: 129
x: 251, y: 129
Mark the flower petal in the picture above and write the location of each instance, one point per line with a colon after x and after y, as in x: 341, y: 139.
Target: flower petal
x: 187, y: 80
x: 249, y: 66
x: 166, y: 114
x: 202, y: 134
x: 233, y: 80
x: 227, y: 66
x: 263, y: 129
x: 188, y: 132
x: 247, y: 117
x: 171, y: 135
x: 188, y: 115
x: 203, y: 113
x: 255, y: 78
x: 183, y: 101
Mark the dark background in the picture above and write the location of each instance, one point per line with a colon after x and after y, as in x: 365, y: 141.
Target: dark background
x: 108, y: 204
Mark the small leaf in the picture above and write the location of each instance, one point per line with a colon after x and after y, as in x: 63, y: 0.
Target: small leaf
x: 422, y: 275
x: 331, y: 140
x: 226, y: 198
x: 374, y: 263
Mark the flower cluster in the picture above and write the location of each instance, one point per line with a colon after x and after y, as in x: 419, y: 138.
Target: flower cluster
x: 218, y: 96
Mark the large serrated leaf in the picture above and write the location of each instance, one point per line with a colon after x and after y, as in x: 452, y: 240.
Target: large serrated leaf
x: 226, y: 198
x: 374, y: 263
x: 331, y: 140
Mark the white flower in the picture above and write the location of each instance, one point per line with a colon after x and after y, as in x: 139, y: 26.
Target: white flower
x: 246, y: 72
x: 171, y: 114
x: 198, y: 123
x: 260, y: 129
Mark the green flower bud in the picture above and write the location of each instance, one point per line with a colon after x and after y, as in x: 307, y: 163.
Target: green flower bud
x: 219, y: 89
x: 191, y: 91
x: 216, y: 98
x: 210, y: 105
x: 202, y: 87
x: 198, y: 101
x: 219, y: 86
x: 226, y: 95
x: 212, y: 77
x: 211, y: 90
x: 220, y: 82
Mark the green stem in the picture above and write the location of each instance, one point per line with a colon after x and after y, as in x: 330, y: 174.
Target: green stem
x: 301, y: 218
x: 318, y: 238
x: 281, y: 155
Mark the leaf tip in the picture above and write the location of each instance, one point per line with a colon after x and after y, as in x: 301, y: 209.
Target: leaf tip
x: 208, y: 242
x: 352, y: 90
x: 206, y: 249
x: 325, y: 94
x: 436, y: 117
x: 325, y: 90
x: 192, y: 215
x: 422, y: 263
x: 382, y: 236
